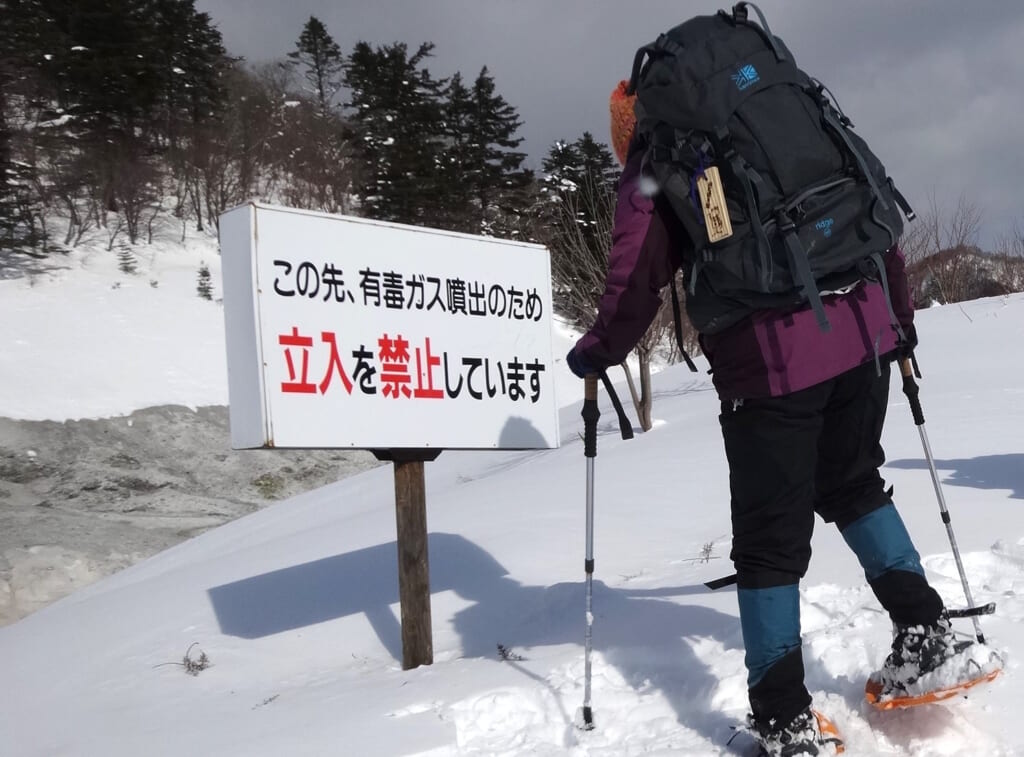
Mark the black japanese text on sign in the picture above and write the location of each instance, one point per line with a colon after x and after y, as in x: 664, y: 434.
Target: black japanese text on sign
x: 395, y: 369
x: 394, y: 290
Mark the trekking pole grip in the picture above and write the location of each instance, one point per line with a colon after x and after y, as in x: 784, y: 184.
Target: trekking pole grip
x: 911, y: 389
x: 591, y: 413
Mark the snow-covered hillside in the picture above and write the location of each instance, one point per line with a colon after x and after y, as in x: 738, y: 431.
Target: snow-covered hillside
x: 296, y: 608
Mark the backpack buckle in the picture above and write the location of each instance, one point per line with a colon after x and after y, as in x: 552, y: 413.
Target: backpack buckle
x: 721, y: 142
x: 868, y: 268
x: 784, y: 222
x: 661, y: 153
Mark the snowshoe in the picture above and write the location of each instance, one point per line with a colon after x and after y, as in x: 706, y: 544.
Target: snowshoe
x: 809, y: 733
x: 929, y: 664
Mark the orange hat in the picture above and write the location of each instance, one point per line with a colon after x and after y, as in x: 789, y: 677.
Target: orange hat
x: 623, y: 120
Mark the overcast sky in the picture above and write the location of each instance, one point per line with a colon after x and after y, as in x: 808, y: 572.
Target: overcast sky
x: 936, y: 87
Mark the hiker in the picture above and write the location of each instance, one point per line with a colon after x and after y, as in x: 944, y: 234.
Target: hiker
x: 803, y: 384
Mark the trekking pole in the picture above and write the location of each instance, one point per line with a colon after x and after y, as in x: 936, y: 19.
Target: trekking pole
x: 908, y: 367
x: 591, y: 413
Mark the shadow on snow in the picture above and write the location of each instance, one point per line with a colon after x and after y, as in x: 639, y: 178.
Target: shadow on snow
x: 985, y: 472
x: 642, y: 635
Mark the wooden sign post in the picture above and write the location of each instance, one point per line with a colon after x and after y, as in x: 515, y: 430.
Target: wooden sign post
x: 413, y: 556
x: 345, y: 333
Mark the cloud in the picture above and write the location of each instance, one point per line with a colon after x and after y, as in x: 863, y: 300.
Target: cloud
x: 934, y: 85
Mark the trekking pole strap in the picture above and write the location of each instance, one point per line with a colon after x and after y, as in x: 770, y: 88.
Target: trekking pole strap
x: 625, y: 428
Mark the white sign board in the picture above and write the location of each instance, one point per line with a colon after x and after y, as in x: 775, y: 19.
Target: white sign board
x: 343, y: 332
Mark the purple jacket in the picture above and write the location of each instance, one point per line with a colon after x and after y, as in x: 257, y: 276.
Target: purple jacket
x: 767, y: 354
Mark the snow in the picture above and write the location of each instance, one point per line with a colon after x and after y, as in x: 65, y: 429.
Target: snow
x: 296, y: 606
x: 89, y: 341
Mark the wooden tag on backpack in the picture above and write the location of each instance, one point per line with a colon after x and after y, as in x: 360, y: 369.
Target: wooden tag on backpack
x: 712, y: 204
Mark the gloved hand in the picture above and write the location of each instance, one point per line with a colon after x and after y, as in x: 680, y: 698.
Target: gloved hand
x: 579, y: 364
x: 905, y: 348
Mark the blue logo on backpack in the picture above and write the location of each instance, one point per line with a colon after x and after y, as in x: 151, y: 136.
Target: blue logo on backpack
x: 746, y: 77
x: 825, y: 226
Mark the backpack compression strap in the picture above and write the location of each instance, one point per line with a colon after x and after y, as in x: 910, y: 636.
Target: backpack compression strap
x: 752, y: 190
x: 739, y: 16
x: 801, y: 268
x: 830, y: 118
x: 883, y: 279
x: 678, y: 321
x: 662, y: 46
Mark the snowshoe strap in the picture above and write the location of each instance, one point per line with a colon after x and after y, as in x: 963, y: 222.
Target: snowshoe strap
x: 721, y: 583
x: 969, y: 612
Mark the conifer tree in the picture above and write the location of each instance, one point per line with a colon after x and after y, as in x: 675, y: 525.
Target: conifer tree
x: 8, y: 213
x: 578, y: 198
x: 16, y: 234
x: 210, y: 151
x: 573, y: 217
x: 190, y: 63
x: 395, y: 111
x: 314, y: 138
x: 585, y: 161
x: 483, y: 175
x: 576, y: 214
x: 204, y: 282
x: 108, y: 81
x: 321, y: 61
x: 20, y: 31
x: 458, y: 173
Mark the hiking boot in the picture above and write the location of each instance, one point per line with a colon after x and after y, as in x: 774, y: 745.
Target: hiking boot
x: 920, y: 650
x: 809, y: 733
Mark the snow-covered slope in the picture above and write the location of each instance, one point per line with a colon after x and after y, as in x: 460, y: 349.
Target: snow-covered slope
x: 296, y: 606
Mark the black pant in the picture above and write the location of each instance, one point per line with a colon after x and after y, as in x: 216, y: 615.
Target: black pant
x: 813, y: 451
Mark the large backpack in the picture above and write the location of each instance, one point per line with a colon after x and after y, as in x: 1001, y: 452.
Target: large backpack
x: 811, y: 208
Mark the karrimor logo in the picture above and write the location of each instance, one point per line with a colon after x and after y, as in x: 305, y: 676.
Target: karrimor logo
x: 825, y: 226
x: 746, y: 77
